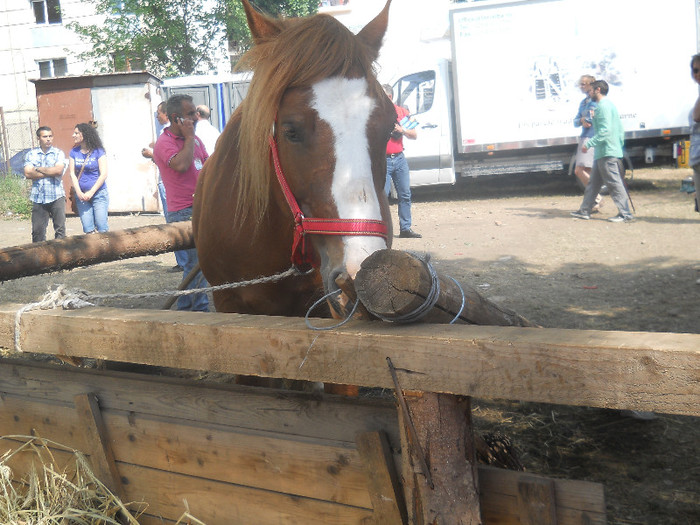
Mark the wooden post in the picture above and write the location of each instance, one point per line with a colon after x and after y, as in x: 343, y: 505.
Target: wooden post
x: 392, y: 284
x: 82, y: 250
x: 395, y: 286
x: 443, y: 423
x: 101, y: 455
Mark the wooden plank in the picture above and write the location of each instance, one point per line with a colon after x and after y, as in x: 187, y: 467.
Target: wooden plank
x: 577, y: 502
x: 536, y: 501
x: 383, y: 483
x: 623, y: 370
x: 166, y: 494
x: 311, y: 468
x: 292, y: 413
x: 55, y: 421
x: 218, y: 503
x: 319, y: 469
x: 99, y: 443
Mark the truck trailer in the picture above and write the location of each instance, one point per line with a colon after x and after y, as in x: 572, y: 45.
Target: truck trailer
x: 504, y: 98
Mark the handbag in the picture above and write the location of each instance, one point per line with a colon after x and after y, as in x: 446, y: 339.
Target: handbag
x: 73, y: 196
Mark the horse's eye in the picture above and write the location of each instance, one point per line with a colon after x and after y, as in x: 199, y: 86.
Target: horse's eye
x: 292, y: 133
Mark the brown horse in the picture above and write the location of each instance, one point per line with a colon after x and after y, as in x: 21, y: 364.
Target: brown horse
x: 315, y: 104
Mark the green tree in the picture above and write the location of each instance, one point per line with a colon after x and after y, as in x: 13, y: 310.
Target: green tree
x: 164, y: 37
x: 237, y: 30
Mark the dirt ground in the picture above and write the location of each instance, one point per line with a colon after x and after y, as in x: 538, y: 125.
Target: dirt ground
x: 513, y: 239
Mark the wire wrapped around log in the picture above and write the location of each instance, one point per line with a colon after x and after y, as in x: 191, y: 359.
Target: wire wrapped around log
x: 394, y: 285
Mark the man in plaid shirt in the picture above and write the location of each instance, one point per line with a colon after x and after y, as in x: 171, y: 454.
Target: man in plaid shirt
x: 44, y: 166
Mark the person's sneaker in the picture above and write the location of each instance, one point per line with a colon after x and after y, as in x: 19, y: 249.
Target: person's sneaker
x: 176, y: 268
x: 409, y: 234
x: 580, y: 215
x: 620, y: 218
x: 604, y: 190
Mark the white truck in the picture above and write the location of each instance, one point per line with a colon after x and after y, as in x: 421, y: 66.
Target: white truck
x: 504, y: 97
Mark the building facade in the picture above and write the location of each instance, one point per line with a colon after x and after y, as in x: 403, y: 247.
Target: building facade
x: 35, y: 43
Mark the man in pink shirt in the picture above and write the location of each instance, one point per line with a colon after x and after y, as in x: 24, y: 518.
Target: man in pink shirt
x: 180, y: 155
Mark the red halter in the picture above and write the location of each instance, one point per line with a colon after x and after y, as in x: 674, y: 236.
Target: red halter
x: 301, y: 254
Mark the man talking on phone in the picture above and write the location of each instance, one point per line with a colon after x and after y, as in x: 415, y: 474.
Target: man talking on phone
x: 180, y: 155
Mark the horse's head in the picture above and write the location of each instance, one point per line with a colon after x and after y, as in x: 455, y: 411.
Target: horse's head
x: 315, y: 91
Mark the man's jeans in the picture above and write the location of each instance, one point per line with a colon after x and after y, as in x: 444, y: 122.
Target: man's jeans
x: 41, y: 212
x: 397, y: 169
x: 188, y: 259
x: 93, y: 213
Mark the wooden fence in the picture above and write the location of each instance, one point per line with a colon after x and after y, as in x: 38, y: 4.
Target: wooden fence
x: 251, y: 455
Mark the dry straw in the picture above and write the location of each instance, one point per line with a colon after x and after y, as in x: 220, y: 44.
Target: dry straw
x: 50, y: 495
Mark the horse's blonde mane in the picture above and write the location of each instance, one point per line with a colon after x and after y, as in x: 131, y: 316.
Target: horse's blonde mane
x: 305, y: 51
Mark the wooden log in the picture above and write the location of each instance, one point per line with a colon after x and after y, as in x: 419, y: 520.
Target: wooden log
x: 392, y: 284
x: 83, y: 250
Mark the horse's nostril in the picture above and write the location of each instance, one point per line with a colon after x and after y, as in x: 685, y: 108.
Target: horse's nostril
x: 333, y: 281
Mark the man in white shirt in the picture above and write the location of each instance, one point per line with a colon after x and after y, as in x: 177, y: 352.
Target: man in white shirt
x: 207, y: 133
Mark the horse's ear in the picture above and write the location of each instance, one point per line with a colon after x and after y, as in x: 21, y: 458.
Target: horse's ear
x: 373, y: 33
x: 261, y: 26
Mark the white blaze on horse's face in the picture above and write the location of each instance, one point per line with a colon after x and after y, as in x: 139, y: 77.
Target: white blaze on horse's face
x: 344, y: 105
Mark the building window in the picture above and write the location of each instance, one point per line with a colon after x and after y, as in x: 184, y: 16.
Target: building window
x: 47, y: 11
x: 56, y: 67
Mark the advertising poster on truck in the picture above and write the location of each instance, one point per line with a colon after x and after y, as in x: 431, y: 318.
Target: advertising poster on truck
x: 516, y: 68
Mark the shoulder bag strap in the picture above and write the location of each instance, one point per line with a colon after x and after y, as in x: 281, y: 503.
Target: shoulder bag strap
x: 87, y: 159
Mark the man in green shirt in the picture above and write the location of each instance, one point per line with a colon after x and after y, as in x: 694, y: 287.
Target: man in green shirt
x: 608, y: 141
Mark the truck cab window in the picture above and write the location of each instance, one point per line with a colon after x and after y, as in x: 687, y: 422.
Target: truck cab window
x: 416, y: 91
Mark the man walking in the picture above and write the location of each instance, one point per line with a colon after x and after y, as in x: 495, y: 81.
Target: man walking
x: 44, y: 166
x: 608, y: 141
x: 180, y: 155
x: 397, y: 168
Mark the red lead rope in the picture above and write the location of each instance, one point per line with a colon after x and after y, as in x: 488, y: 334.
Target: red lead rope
x: 301, y: 254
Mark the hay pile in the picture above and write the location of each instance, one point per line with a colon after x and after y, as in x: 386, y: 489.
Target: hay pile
x: 50, y: 494
x: 53, y: 495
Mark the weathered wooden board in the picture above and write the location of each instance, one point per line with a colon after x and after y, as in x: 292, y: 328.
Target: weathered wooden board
x: 576, y: 501
x: 168, y: 452
x: 626, y: 370
x: 311, y: 468
x: 244, y: 408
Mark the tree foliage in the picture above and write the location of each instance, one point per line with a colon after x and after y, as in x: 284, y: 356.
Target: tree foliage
x: 165, y: 37
x: 170, y: 38
x: 237, y: 28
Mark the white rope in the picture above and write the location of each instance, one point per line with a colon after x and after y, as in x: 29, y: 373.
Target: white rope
x: 74, y: 299
x: 60, y: 297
